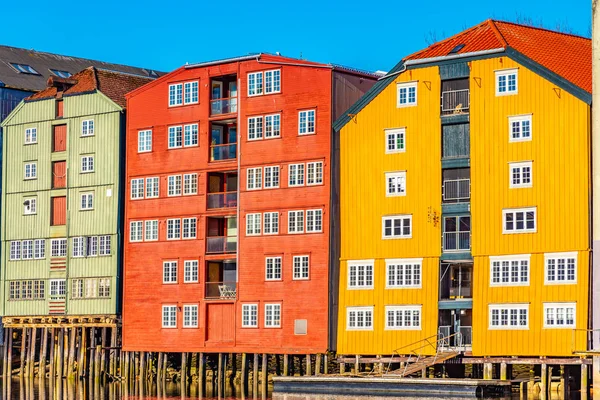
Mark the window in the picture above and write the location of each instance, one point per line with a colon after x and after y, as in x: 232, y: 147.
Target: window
x: 359, y: 318
x: 169, y: 316
x: 252, y: 224
x: 271, y: 221
x: 506, y: 82
x: 175, y: 94
x: 272, y: 315
x: 397, y: 226
x: 15, y: 250
x: 395, y: 183
x: 151, y: 231
x: 509, y: 270
x: 314, y: 173
x: 190, y: 92
x: 360, y: 274
x: 78, y: 247
x: 87, y: 164
x: 253, y: 178
x: 58, y: 288
x: 271, y: 177
x: 58, y: 247
x: 407, y: 94
x: 296, y: 175
x: 152, y: 187
x: 301, y: 267
x: 190, y: 316
x: 27, y: 290
x: 87, y: 127
x: 175, y: 133
x: 272, y: 126
x: 189, y: 228
x: 30, y: 206
x: 190, y: 135
x: 509, y: 316
x: 519, y: 128
x: 174, y: 185
x: 255, y: 128
x: 273, y: 269
x: 77, y: 286
x: 560, y: 268
x: 92, y: 246
x: 144, y: 141
x: 135, y: 231
x: 559, y: 315
x: 519, y: 220
x: 249, y: 315
x: 137, y: 188
x: 104, y: 287
x: 60, y: 74
x: 190, y: 271
x: 272, y: 81
x: 403, y: 273
x: 395, y: 141
x: 104, y: 245
x: 30, y: 135
x: 87, y: 201
x: 173, y: 229
x: 520, y: 174
x: 255, y: 84
x: 403, y: 317
x: 295, y: 221
x: 31, y: 170
x: 170, y: 272
x: 24, y: 69
x: 190, y: 184
x: 314, y: 220
x: 39, y: 249
x: 306, y: 122
x: 27, y: 249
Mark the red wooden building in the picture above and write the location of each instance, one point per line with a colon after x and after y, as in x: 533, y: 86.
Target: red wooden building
x: 229, y: 215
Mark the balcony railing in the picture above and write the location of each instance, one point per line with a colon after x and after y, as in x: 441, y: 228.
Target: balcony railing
x: 457, y: 241
x: 460, y: 291
x: 456, y: 190
x: 462, y: 338
x: 220, y: 152
x: 221, y: 290
x: 455, y: 102
x: 222, y: 200
x: 221, y: 244
x: 223, y: 106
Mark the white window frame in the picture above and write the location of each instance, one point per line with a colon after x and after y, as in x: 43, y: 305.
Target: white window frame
x: 520, y: 166
x: 298, y: 275
x: 272, y: 174
x: 190, y: 184
x: 136, y: 189
x: 255, y: 128
x: 272, y: 323
x: 404, y: 309
x: 392, y: 218
x: 314, y: 127
x: 276, y: 273
x: 30, y: 209
x: 32, y: 171
x: 256, y: 182
x: 189, y: 308
x: 564, y: 306
x: 176, y: 222
x: 170, y: 266
x: 404, y: 263
x: 248, y: 308
x: 507, y: 306
x: 171, y: 308
x: 558, y: 256
x: 39, y: 249
x: 273, y: 72
x: 177, y: 185
x: 138, y: 228
x: 311, y: 220
x: 175, y: 102
x: 78, y: 249
x: 31, y: 135
x: 275, y: 126
x: 27, y: 249
x: 149, y: 228
x: 506, y: 73
x: 88, y: 158
x: 87, y: 128
x: 399, y: 178
x: 271, y: 223
x: 298, y: 226
x: 177, y: 131
x: 395, y: 132
x: 190, y: 269
x: 191, y: 85
x: 313, y: 176
x: 186, y: 228
x: 258, y: 90
x: 61, y: 246
x: 510, y: 259
x: 296, y: 174
x: 360, y: 309
x: 253, y: 224
x: 152, y: 182
x: 15, y: 250
x: 143, y: 141
x: 85, y: 206
x: 190, y: 131
x: 407, y: 86
x: 368, y: 265
x: 513, y: 211
x: 520, y: 119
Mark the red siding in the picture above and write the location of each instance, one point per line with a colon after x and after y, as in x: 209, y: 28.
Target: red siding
x: 59, y: 174
x: 59, y: 138
x: 58, y: 211
x: 59, y: 108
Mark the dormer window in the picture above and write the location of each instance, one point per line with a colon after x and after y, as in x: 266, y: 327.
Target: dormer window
x: 24, y: 69
x: 60, y: 73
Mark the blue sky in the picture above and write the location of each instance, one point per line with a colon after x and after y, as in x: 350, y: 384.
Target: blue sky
x: 166, y: 34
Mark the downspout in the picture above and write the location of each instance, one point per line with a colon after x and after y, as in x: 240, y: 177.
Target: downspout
x: 595, y: 149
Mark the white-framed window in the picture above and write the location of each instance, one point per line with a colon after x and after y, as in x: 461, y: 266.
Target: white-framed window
x: 560, y: 268
x: 255, y: 128
x: 254, y: 178
x: 314, y: 173
x: 58, y: 247
x: 175, y: 137
x: 39, y: 249
x: 144, y: 141
x: 27, y: 249
x: 190, y: 184
x: 190, y: 271
x: 272, y: 315
x: 395, y: 140
x: 272, y: 126
x: 249, y: 315
x: 30, y: 135
x: 87, y: 201
x: 104, y: 245
x: 403, y: 317
x: 190, y: 315
x: 520, y: 174
x: 175, y: 94
x: 169, y: 271
x: 314, y: 220
x: 360, y: 274
x: 91, y: 246
x: 135, y: 231
x: 104, y: 287
x: 510, y: 270
x: 87, y: 127
x: 301, y: 267
x: 174, y: 185
x: 189, y: 228
x: 169, y: 316
x: 253, y: 224
x: 296, y: 221
x: 519, y: 128
x: 359, y: 318
x: 271, y: 177
x: 306, y: 122
x: 406, y: 94
x: 519, y: 220
x: 151, y: 231
x: 15, y: 250
x: 152, y: 187
x: 273, y: 81
x: 30, y: 170
x: 508, y: 316
x: 273, y: 268
x: 560, y: 315
x: 395, y: 183
x: 190, y: 92
x: 397, y: 226
x: 190, y: 135
x: 173, y: 229
x: 30, y: 206
x: 403, y: 273
x: 78, y: 247
x: 507, y: 82
x: 87, y: 164
x: 296, y: 175
x: 255, y: 83
x: 137, y: 188
x: 271, y: 223
x: 58, y: 288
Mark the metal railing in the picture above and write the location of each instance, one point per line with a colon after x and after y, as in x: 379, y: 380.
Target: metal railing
x: 460, y: 291
x: 455, y: 101
x: 221, y: 200
x: 466, y: 335
x: 460, y: 339
x: 221, y: 290
x: 220, y: 152
x: 221, y: 244
x: 223, y: 106
x: 457, y: 241
x: 456, y: 190
x: 433, y: 342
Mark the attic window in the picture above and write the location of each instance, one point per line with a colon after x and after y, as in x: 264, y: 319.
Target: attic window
x: 457, y: 49
x: 60, y: 73
x: 24, y: 69
x: 151, y: 73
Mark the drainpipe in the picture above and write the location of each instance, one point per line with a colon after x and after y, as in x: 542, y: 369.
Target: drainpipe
x: 596, y: 194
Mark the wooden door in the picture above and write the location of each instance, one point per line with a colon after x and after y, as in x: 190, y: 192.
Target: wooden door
x: 59, y: 138
x: 58, y: 211
x: 59, y: 174
x: 220, y: 325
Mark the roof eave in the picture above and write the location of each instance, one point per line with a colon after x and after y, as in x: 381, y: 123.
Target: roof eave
x: 223, y: 61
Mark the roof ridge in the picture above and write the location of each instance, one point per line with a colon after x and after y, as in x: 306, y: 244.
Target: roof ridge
x: 497, y: 32
x: 541, y: 28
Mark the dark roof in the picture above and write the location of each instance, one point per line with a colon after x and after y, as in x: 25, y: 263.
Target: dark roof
x: 43, y: 62
x: 113, y: 84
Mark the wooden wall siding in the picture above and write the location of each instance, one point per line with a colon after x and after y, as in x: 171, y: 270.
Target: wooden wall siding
x: 58, y: 211
x: 59, y: 174
x: 59, y: 138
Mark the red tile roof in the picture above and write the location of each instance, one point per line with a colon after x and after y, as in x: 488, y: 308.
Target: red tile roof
x: 568, y: 56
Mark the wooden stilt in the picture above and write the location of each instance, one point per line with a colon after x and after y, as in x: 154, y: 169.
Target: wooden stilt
x: 255, y: 375
x: 325, y: 364
x: 60, y: 353
x: 103, y: 352
x: 265, y: 374
x: 52, y: 353
x: 30, y: 354
x: 201, y: 373
x: 142, y: 366
x: 233, y: 366
x: 10, y: 352
x: 220, y: 376
x: 584, y: 382
x: 158, y: 367
x: 308, y: 365
x: 503, y: 371
x: 356, y: 365
x: 71, y: 363
x: 65, y: 352
x: 318, y: 364
x: 244, y: 371
x: 544, y: 382
x: 286, y: 367
x: 164, y: 368
x: 97, y: 366
x: 113, y: 351
x: 23, y: 347
x: 33, y: 351
x: 126, y: 366
x: 5, y: 366
x: 183, y: 371
x: 81, y: 353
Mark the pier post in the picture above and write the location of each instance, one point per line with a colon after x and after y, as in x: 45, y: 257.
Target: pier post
x: 255, y: 375
x: 71, y: 362
x: 584, y: 382
x: 202, y: 373
x: 424, y: 373
x: 356, y: 364
x: 488, y: 371
x: 233, y: 366
x: 164, y: 368
x: 503, y: 371
x: 10, y: 351
x: 5, y: 357
x: 33, y: 352
x: 265, y: 376
x: 220, y: 375
x: 342, y: 368
x: 52, y: 354
x: 286, y: 367
x: 318, y: 364
x: 125, y: 373
x: 60, y: 353
x: 65, y: 352
x: 23, y: 342
x: 544, y: 382
x: 81, y: 355
x: 325, y: 364
x: 308, y: 365
x: 158, y: 368
x: 142, y: 366
x: 113, y: 351
x: 244, y: 372
x: 97, y: 366
x: 183, y: 372
x: 103, y: 353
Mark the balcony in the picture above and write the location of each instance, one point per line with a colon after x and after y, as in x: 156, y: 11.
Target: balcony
x: 456, y: 190
x: 456, y: 281
x: 457, y: 234
x: 221, y: 237
x: 221, y: 290
x: 222, y: 190
x: 455, y: 102
x: 221, y: 244
x: 223, y: 106
x: 223, y: 95
x: 221, y: 278
x: 222, y: 200
x: 223, y: 141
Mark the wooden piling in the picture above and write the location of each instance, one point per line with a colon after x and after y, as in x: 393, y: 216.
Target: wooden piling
x: 244, y: 371
x: 125, y: 372
x: 584, y: 382
x: 357, y: 364
x: 83, y: 353
x: 503, y: 371
x: 544, y: 382
x: 5, y: 359
x: 10, y: 345
x: 31, y: 352
x: 286, y: 367
x: 142, y: 366
x: 255, y: 375
x: 103, y: 352
x: 97, y: 366
x: 158, y: 367
x: 65, y: 352
x: 58, y: 354
x: 233, y: 366
x: 164, y: 368
x: 23, y: 343
x: 71, y: 362
x: 325, y: 364
x: 113, y: 351
x: 183, y: 372
x: 43, y: 353
x: 265, y: 375
x: 342, y: 367
x: 318, y: 364
x: 52, y: 353
x: 220, y: 376
x: 309, y: 365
